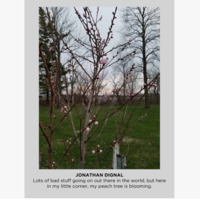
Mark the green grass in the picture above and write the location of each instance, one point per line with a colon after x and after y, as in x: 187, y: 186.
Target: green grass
x: 141, y: 144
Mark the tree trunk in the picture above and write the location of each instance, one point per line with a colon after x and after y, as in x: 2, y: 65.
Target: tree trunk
x: 144, y: 59
x: 47, y: 96
x: 50, y: 158
x: 59, y: 72
x: 52, y: 104
x: 146, y: 94
x: 82, y: 160
x: 85, y: 133
x: 124, y: 85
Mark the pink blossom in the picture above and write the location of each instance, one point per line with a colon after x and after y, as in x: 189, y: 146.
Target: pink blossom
x: 96, y: 122
x: 73, y: 159
x: 103, y: 61
x: 87, y: 129
x: 132, y: 94
x: 145, y: 84
x: 93, y: 151
x: 114, y: 141
x: 51, y: 49
x: 98, y: 145
x: 100, y: 151
x: 90, y: 121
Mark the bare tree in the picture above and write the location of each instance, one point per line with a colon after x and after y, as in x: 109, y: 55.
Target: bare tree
x: 143, y: 25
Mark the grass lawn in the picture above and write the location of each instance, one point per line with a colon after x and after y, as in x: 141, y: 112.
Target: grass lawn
x: 141, y: 144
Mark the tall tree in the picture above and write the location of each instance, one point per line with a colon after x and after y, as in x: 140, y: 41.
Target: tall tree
x: 57, y: 29
x: 63, y: 27
x: 44, y: 37
x: 143, y: 25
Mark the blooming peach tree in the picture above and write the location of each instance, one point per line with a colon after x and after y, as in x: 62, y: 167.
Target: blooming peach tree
x: 86, y: 65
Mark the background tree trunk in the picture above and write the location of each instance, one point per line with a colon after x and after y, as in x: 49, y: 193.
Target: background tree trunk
x: 147, y: 104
